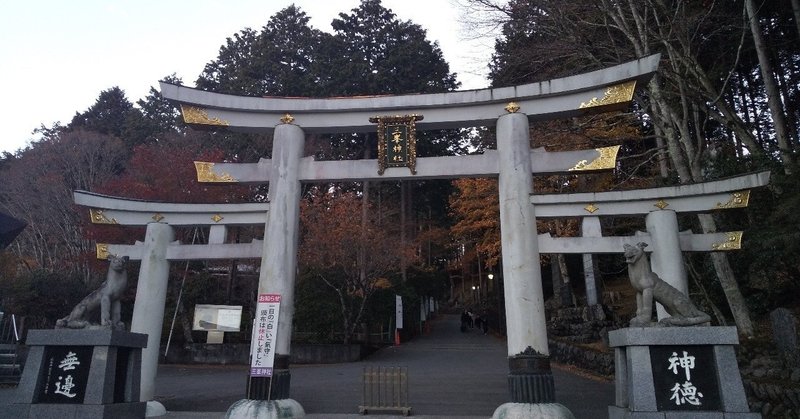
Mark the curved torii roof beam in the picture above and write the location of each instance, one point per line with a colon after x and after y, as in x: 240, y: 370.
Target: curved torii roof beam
x: 596, y: 91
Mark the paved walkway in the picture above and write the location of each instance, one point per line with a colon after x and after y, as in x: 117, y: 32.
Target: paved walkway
x: 451, y: 375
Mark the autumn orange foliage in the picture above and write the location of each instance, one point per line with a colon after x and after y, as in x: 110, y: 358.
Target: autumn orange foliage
x: 352, y: 256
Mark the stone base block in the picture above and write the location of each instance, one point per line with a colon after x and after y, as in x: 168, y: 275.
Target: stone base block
x: 615, y: 412
x: 677, y: 373
x: 73, y: 374
x: 265, y: 409
x: 134, y: 410
x: 532, y: 411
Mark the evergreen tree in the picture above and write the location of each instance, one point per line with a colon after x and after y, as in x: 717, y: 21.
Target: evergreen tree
x: 159, y: 115
x: 383, y: 55
x: 282, y: 59
x: 112, y: 114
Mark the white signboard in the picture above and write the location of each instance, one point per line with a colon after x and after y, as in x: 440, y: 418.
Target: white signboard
x: 265, y: 327
x: 217, y: 318
x: 398, y: 311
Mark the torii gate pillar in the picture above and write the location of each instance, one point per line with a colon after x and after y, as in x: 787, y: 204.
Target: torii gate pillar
x: 279, y: 257
x: 667, y: 258
x: 530, y: 379
x: 148, y: 312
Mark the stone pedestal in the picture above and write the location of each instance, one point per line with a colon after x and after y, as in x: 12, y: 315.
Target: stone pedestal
x: 81, y: 374
x: 677, y: 372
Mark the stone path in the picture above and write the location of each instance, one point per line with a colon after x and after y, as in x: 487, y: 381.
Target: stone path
x: 451, y: 375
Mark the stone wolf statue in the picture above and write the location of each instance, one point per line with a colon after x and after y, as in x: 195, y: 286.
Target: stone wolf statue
x: 106, y: 298
x: 650, y: 287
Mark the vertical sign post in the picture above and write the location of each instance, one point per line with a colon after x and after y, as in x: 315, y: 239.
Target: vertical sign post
x: 262, y: 346
x: 398, y: 314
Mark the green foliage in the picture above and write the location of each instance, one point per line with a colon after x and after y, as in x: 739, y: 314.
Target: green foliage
x: 283, y: 59
x: 381, y: 310
x: 112, y: 114
x: 768, y: 261
x: 370, y: 52
x: 383, y: 55
x: 159, y: 116
x: 317, y: 315
x: 42, y: 294
x: 429, y: 282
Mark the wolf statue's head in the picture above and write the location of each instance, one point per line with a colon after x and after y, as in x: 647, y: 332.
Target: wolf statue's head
x: 634, y: 253
x: 117, y: 263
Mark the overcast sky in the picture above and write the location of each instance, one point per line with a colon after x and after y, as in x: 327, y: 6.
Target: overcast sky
x: 57, y: 56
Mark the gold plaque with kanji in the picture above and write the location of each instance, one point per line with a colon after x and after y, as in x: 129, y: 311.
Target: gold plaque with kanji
x: 397, y: 141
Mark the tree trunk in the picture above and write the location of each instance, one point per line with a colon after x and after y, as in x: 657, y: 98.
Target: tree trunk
x: 790, y: 107
x: 232, y: 275
x: 186, y: 324
x: 567, y: 296
x: 714, y: 309
x: 663, y: 168
x: 480, y: 274
x: 741, y: 314
x: 796, y: 10
x: 362, y: 252
x: 403, y: 215
x: 773, y: 95
x: 555, y: 278
x: 722, y: 266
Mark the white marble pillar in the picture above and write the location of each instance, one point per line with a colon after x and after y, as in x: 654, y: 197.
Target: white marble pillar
x: 525, y: 316
x: 151, y: 297
x: 279, y: 258
x: 268, y: 397
x: 530, y: 379
x: 666, y: 260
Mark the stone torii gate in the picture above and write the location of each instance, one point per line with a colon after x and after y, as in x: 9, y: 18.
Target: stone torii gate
x: 660, y: 207
x: 509, y: 109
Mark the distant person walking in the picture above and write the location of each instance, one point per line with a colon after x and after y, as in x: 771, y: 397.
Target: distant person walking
x: 466, y: 319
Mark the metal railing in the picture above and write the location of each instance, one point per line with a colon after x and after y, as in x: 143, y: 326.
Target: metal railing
x: 385, y: 389
x: 9, y: 329
x: 10, y: 334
